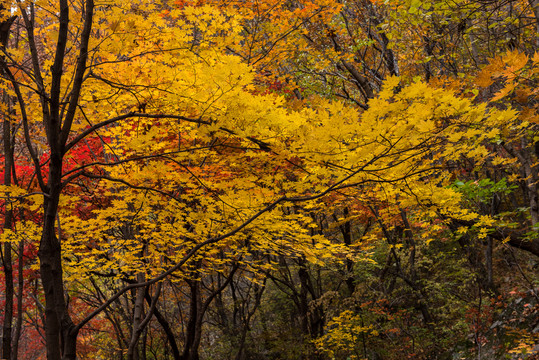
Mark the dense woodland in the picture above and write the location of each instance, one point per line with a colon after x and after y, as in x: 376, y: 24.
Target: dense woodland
x: 269, y: 179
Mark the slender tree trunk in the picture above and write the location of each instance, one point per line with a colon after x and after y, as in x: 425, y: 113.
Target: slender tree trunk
x: 6, y: 253
x: 303, y: 300
x: 534, y: 4
x: 525, y: 157
x: 144, y: 343
x: 190, y: 351
x: 346, y: 232
x: 259, y: 290
x: 8, y: 217
x: 166, y: 328
x: 18, y: 325
x: 132, y: 352
x: 488, y: 262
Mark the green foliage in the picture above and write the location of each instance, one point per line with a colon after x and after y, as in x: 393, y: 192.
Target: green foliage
x: 482, y: 191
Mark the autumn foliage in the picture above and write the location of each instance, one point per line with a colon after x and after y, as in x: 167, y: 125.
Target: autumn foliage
x: 269, y: 179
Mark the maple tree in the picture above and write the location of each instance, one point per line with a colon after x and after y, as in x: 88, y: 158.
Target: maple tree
x: 198, y: 161
x: 448, y: 39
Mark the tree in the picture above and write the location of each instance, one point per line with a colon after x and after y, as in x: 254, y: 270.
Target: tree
x: 167, y: 167
x: 64, y: 106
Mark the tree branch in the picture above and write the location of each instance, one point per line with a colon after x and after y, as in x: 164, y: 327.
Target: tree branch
x: 129, y: 115
x: 79, y: 72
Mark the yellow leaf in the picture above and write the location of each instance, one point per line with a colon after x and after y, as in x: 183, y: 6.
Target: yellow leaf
x: 504, y: 92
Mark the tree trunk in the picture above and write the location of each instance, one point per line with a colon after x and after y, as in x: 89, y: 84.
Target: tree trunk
x: 18, y: 325
x: 166, y: 328
x: 132, y: 352
x: 534, y: 4
x: 8, y: 218
x: 59, y: 328
x: 6, y: 253
x: 190, y: 351
x: 531, y: 180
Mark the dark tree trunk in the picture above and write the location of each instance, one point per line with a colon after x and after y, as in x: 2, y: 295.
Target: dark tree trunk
x: 190, y: 350
x: 346, y: 232
x: 6, y: 251
x: 59, y: 328
x: 8, y: 217
x: 18, y: 325
x: 534, y: 4
x: 60, y: 332
x: 132, y: 351
x: 166, y: 328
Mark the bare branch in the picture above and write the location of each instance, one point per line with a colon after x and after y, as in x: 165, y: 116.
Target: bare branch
x: 79, y: 72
